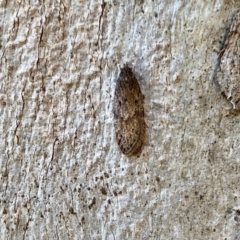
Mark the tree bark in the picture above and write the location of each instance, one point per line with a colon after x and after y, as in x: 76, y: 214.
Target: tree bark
x: 62, y: 173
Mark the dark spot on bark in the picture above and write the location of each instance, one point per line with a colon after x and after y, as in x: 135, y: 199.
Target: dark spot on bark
x: 103, y: 191
x: 106, y: 175
x: 92, y: 204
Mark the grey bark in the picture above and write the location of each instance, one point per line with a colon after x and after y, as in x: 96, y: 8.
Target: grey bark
x: 62, y: 174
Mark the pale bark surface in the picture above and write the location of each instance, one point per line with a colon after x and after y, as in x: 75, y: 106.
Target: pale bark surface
x: 62, y: 174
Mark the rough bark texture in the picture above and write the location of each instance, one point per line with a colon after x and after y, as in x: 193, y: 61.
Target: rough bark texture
x: 62, y: 173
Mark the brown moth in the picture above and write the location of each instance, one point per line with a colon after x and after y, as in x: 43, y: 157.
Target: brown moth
x: 130, y: 127
x: 228, y: 73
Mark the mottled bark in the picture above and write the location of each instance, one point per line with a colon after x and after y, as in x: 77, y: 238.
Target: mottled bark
x: 62, y: 173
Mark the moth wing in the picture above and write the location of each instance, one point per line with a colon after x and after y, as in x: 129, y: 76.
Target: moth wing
x: 130, y: 135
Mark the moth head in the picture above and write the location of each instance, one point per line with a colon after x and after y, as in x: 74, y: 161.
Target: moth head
x: 126, y: 71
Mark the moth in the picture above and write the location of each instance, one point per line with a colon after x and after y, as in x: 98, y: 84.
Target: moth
x: 228, y: 73
x: 128, y: 109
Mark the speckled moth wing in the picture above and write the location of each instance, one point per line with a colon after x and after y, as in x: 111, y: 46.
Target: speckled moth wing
x: 128, y: 110
x: 228, y: 74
